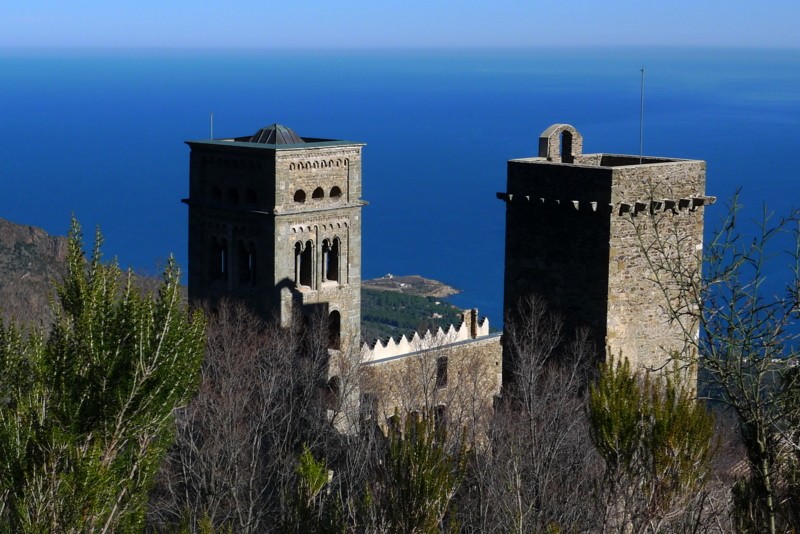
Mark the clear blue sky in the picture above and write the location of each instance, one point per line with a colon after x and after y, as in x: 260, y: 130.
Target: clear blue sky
x: 398, y: 23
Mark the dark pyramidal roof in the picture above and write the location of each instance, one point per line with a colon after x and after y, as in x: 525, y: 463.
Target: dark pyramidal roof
x: 276, y: 134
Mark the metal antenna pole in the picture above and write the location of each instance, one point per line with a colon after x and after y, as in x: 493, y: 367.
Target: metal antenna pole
x: 641, y: 118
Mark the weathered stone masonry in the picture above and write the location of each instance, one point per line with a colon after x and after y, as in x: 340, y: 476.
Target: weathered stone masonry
x: 275, y: 220
x: 572, y: 238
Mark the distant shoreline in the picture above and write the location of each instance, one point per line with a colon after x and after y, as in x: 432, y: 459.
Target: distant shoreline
x: 411, y: 285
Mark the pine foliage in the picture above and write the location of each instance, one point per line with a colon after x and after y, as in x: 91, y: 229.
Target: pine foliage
x: 655, y: 438
x: 419, y: 476
x: 86, y: 413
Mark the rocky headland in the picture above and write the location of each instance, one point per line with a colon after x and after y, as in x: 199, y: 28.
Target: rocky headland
x: 411, y: 285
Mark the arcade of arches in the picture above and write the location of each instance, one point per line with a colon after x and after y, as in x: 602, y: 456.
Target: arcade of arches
x: 328, y: 264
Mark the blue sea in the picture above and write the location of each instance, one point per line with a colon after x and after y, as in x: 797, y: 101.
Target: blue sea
x: 100, y: 134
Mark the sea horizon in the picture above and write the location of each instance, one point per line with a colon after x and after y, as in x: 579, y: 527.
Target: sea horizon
x: 101, y: 134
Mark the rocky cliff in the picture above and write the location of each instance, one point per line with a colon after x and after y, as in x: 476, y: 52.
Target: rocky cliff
x: 30, y: 259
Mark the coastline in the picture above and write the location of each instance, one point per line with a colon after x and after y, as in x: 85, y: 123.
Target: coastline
x: 413, y: 284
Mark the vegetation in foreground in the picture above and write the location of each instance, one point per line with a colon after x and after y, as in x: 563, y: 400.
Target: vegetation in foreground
x: 100, y: 430
x: 87, y: 411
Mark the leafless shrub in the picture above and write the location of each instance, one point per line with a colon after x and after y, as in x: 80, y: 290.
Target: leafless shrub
x: 238, y: 440
x: 740, y: 327
x: 541, y: 469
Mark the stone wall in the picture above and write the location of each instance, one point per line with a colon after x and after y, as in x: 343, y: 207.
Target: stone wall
x: 471, y: 327
x: 577, y: 226
x: 554, y: 250
x: 252, y: 206
x: 457, y: 382
x: 318, y: 201
x: 227, y: 186
x: 321, y: 169
x: 670, y: 195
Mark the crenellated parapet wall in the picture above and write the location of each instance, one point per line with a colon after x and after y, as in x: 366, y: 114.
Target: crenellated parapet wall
x: 471, y: 327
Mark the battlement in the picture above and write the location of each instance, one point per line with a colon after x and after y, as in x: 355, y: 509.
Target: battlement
x: 471, y: 327
x: 620, y: 208
x: 576, y: 225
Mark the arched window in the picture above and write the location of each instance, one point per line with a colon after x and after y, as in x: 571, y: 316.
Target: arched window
x: 299, y: 196
x: 318, y: 194
x: 334, y: 330
x: 566, y: 147
x: 334, y: 393
x: 298, y: 255
x: 233, y: 195
x: 440, y: 418
x: 218, y: 259
x: 330, y: 260
x: 304, y: 263
x: 441, y: 372
x: 250, y: 197
x: 336, y: 193
x: 247, y: 263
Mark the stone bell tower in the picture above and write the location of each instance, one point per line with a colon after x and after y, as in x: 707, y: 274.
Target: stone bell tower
x: 275, y: 220
x: 571, y: 237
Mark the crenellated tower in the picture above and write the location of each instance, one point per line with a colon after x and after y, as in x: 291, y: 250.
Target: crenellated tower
x: 575, y: 227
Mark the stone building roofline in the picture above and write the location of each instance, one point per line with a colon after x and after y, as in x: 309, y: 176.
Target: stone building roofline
x: 276, y: 134
x: 437, y: 349
x: 275, y: 137
x: 558, y: 138
x: 563, y: 144
x: 472, y: 327
x: 631, y: 206
x: 609, y: 160
x: 244, y: 143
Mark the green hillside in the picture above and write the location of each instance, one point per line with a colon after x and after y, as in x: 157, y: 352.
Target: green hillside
x: 389, y: 313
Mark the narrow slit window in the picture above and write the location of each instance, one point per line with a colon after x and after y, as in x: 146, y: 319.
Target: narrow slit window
x: 334, y: 393
x: 441, y: 372
x: 218, y: 259
x: 223, y: 259
x: 334, y: 330
x: 440, y: 418
x: 247, y: 263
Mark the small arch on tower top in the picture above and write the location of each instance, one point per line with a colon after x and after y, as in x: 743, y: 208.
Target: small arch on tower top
x: 560, y: 143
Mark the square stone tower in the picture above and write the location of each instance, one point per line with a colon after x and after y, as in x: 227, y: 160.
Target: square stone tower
x: 275, y: 220
x: 575, y: 224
